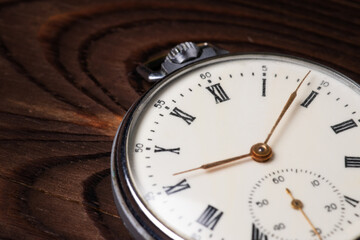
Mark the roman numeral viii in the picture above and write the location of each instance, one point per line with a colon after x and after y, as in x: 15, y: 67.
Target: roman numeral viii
x: 218, y: 92
x: 177, y: 187
x: 183, y: 115
x: 161, y: 149
x: 257, y: 235
x: 352, y: 162
x: 338, y: 128
x: 210, y: 217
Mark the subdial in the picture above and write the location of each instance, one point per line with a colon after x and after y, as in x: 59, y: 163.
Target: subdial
x: 314, y: 209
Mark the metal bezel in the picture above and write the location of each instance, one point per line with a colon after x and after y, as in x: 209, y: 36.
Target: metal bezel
x: 137, y: 218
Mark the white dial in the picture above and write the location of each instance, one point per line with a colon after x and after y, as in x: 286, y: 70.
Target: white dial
x: 220, y: 108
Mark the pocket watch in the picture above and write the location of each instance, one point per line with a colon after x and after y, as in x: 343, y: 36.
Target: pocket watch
x: 240, y: 146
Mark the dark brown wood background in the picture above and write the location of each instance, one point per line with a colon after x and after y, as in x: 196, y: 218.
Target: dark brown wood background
x: 67, y: 78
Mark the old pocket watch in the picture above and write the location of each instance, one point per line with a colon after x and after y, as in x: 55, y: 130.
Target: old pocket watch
x: 240, y: 146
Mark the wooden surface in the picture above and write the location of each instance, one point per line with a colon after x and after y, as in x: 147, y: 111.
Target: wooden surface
x: 67, y: 78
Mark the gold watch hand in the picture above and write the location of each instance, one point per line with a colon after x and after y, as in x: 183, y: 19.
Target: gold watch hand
x: 215, y: 164
x: 259, y: 152
x: 298, y: 205
x: 286, y: 107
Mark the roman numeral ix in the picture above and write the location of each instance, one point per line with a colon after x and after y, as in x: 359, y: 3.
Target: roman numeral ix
x: 177, y: 187
x: 209, y: 218
x: 161, y: 149
x: 338, y: 128
x: 218, y: 92
x: 352, y: 162
x: 183, y: 115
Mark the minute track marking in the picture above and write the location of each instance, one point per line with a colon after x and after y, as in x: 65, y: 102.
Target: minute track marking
x: 286, y: 107
x: 259, y: 152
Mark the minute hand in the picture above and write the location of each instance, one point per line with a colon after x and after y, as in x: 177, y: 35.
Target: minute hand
x: 286, y: 107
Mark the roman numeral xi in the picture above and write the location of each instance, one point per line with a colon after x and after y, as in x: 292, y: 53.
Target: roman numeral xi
x: 182, y: 115
x: 218, y: 92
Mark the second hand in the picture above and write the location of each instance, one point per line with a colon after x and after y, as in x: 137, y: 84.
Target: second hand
x: 298, y: 205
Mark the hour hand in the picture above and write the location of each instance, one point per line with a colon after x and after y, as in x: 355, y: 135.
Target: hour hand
x: 259, y: 152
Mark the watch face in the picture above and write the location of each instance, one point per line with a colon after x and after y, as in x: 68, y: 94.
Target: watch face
x: 167, y: 177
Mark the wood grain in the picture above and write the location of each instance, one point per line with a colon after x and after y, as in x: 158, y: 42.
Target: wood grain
x: 67, y: 76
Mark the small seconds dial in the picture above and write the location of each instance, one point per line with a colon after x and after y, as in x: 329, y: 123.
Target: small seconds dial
x: 275, y: 213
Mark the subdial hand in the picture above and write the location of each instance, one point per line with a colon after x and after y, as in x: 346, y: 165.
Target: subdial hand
x: 285, y: 108
x: 298, y: 205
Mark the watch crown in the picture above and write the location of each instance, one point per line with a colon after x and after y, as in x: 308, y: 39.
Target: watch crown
x: 180, y: 56
x: 183, y: 52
